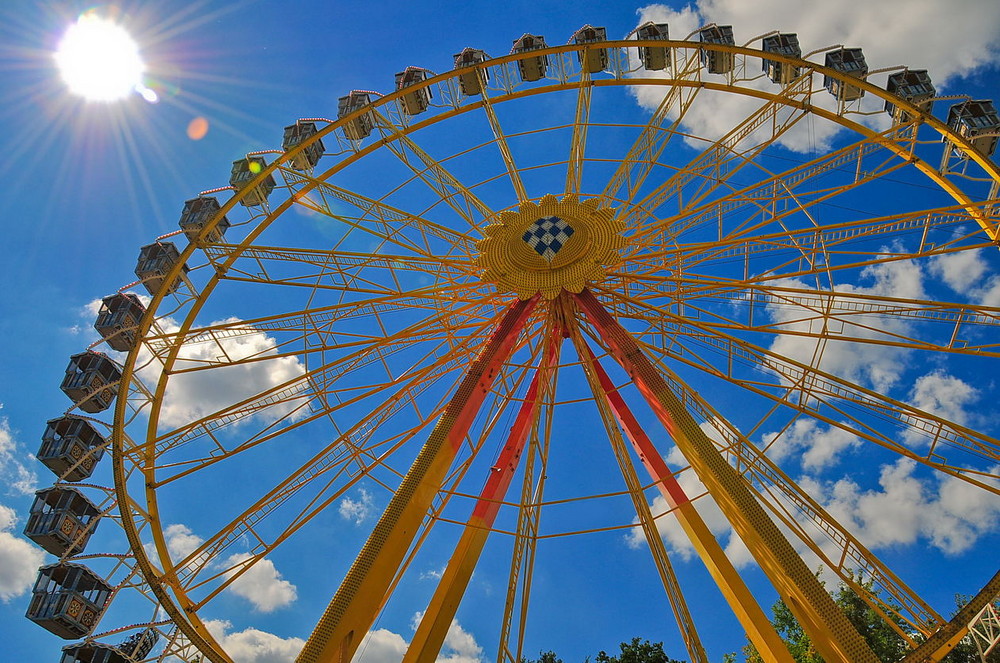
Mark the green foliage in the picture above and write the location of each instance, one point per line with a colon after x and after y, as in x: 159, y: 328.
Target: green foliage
x: 887, y: 645
x: 637, y: 651
x: 546, y: 657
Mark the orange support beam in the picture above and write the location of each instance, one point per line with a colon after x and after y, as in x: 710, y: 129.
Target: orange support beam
x: 363, y: 592
x: 832, y: 634
x: 756, y: 624
x: 434, y: 624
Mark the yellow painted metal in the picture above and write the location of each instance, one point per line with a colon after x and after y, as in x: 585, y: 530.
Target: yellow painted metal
x: 741, y: 601
x: 645, y: 151
x: 149, y: 516
x: 452, y: 191
x: 849, y: 555
x: 578, y: 141
x: 525, y: 537
x: 807, y: 383
x: 362, y: 593
x: 426, y: 644
x: 664, y: 568
x: 514, y: 266
x: 508, y: 158
x: 829, y: 629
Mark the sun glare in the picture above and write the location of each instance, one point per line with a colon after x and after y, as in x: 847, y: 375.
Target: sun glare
x: 99, y: 61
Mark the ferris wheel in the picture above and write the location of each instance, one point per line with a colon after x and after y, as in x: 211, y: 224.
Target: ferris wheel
x: 488, y: 304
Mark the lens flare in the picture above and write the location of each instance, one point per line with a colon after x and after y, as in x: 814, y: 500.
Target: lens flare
x: 98, y: 60
x: 197, y: 128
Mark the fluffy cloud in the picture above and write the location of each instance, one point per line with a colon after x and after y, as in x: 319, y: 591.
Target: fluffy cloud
x: 19, y: 559
x: 460, y: 646
x: 381, y: 646
x: 817, y: 447
x: 896, y: 32
x: 261, y: 584
x: 254, y: 646
x: 18, y: 478
x: 875, y: 366
x: 948, y: 513
x: 195, y: 395
x: 967, y: 273
x: 356, y: 510
x: 944, y: 395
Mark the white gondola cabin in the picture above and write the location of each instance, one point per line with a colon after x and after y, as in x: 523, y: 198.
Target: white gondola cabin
x: 154, y: 264
x: 717, y: 62
x: 786, y: 44
x: 362, y: 125
x: 197, y: 213
x: 68, y: 600
x: 470, y: 81
x: 71, y: 448
x: 295, y: 135
x: 653, y: 58
x: 530, y: 68
x: 417, y: 100
x: 592, y: 59
x: 243, y: 173
x: 61, y: 520
x: 136, y: 647
x: 850, y: 61
x: 977, y: 122
x: 118, y: 319
x: 90, y: 381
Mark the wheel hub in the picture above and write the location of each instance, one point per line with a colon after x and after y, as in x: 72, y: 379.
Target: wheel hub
x: 550, y: 246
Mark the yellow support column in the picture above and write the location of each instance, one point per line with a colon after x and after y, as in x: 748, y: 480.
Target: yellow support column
x: 362, y: 594
x: 829, y: 629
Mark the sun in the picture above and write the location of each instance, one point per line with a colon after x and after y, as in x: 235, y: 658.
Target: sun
x: 99, y: 60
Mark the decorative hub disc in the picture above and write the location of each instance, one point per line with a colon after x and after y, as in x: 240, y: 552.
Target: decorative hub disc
x: 550, y: 246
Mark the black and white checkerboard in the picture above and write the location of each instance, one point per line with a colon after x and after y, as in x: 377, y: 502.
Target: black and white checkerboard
x: 547, y: 235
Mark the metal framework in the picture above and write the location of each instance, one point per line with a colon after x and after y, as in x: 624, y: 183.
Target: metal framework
x: 392, y: 330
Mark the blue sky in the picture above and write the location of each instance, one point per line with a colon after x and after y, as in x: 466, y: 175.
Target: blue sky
x: 85, y: 185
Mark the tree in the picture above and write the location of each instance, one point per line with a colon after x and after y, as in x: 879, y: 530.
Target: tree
x: 545, y: 657
x: 887, y: 645
x: 637, y: 651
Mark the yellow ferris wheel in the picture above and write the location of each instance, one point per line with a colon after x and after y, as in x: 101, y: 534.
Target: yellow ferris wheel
x: 492, y: 301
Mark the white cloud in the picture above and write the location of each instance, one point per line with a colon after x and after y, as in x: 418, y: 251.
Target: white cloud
x: 943, y: 395
x: 381, y: 646
x: 254, y: 646
x: 356, y: 510
x: 19, y: 559
x: 460, y: 646
x: 261, y: 584
x: 921, y: 34
x: 194, y: 395
x: 875, y: 366
x: 15, y: 475
x: 817, y: 447
x: 433, y: 574
x: 670, y: 529
x: 180, y: 540
x: 948, y: 513
x: 967, y: 273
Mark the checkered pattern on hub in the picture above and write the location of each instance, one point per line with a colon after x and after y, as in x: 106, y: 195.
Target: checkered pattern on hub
x: 547, y: 235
